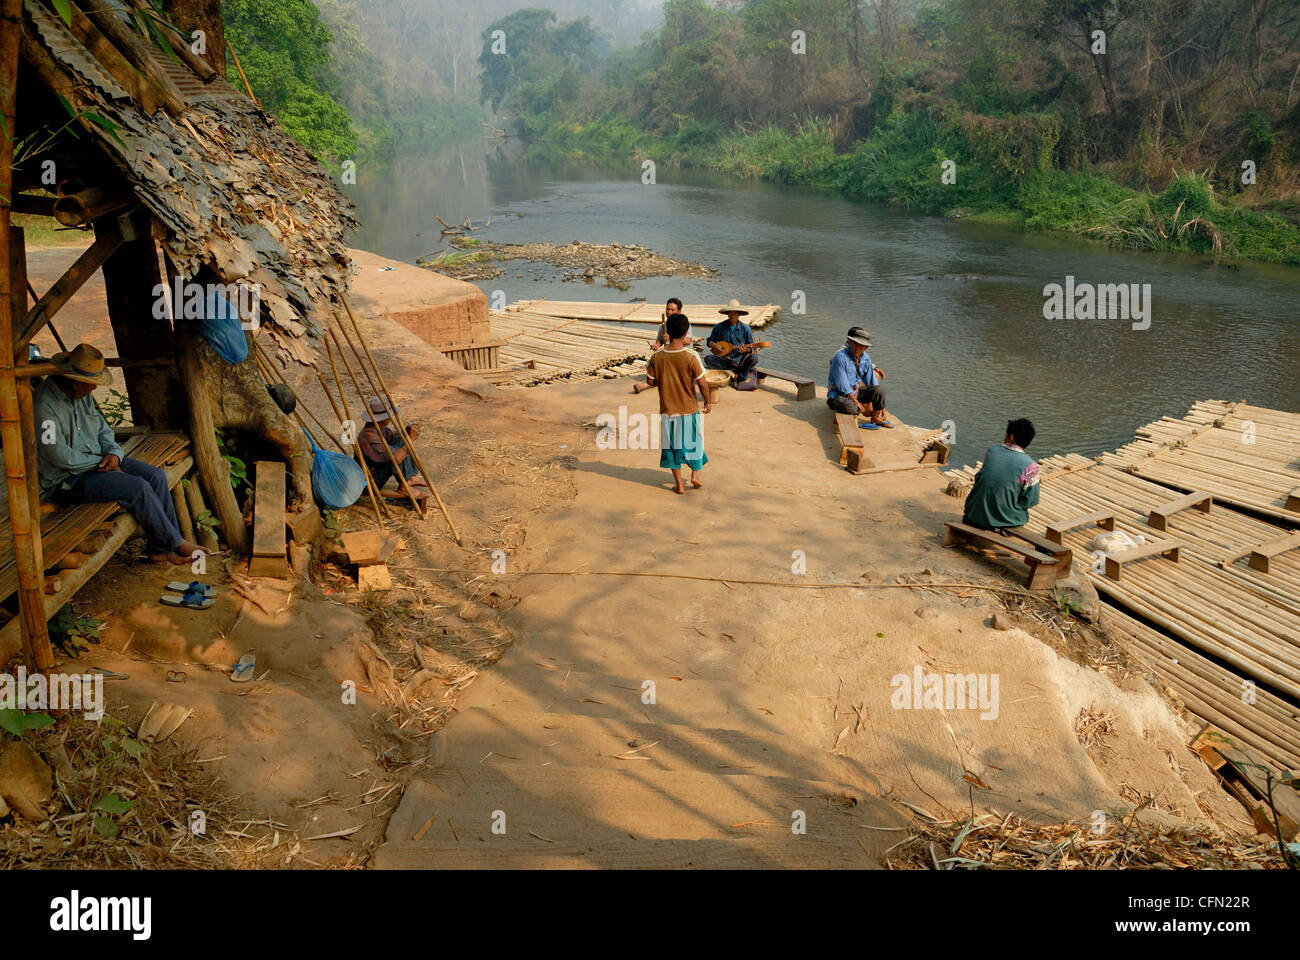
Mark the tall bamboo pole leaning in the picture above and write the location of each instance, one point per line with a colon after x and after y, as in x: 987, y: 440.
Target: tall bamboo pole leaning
x: 341, y: 413
x: 455, y: 534
x: 24, y: 515
x: 384, y: 440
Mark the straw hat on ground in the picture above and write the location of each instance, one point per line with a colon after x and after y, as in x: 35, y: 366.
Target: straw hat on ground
x: 733, y: 307
x: 84, y: 364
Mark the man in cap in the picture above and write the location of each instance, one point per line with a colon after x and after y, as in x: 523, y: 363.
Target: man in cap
x: 379, y: 429
x: 738, y: 356
x: 853, y: 385
x: 78, y: 459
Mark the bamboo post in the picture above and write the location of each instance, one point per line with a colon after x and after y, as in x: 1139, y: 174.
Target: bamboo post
x: 182, y: 513
x: 194, y: 497
x: 455, y: 534
x: 384, y: 440
x: 24, y: 513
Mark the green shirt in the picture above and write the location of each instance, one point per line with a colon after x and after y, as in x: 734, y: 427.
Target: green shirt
x: 1005, y: 488
x: 72, y: 436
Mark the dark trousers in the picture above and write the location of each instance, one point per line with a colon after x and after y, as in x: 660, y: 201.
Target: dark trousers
x: 139, y: 489
x: 740, y: 367
x: 872, y: 396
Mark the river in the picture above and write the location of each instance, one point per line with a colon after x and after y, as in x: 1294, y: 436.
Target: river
x: 955, y: 309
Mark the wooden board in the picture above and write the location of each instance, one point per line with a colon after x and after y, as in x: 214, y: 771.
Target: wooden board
x: 1159, y: 516
x: 1293, y: 500
x: 805, y: 387
x: 1261, y: 555
x: 846, y: 428
x: 1105, y: 519
x: 1063, y: 555
x: 268, y: 509
x: 1042, y: 566
x: 1156, y: 548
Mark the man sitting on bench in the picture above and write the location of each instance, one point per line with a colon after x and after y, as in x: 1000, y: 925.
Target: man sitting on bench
x: 78, y: 459
x: 853, y: 386
x: 1007, y: 484
x: 732, y: 347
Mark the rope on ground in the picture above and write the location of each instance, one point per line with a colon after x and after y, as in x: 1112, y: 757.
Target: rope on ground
x: 813, y: 585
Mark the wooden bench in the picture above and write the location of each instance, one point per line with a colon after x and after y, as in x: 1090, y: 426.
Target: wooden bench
x: 1101, y: 518
x: 1064, y: 556
x: 1115, y: 562
x: 852, y: 456
x: 936, y: 452
x: 1262, y: 554
x: 805, y: 388
x: 1159, y: 516
x: 1042, y: 566
x: 1293, y: 500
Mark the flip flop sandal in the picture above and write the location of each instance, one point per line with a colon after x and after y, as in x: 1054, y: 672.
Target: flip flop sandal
x: 176, y: 676
x: 110, y: 674
x: 886, y: 423
x: 868, y: 426
x: 242, y: 672
x: 193, y: 599
x: 203, y: 588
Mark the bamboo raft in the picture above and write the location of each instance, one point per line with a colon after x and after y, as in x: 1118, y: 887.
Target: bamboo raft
x: 701, y: 314
x: 1243, y: 455
x: 536, y: 349
x: 1209, y: 621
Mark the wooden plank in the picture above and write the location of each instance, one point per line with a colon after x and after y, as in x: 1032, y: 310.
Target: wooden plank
x: 856, y: 461
x: 268, y: 509
x: 1293, y: 500
x: 846, y: 428
x: 936, y: 452
x: 1064, y: 555
x: 275, y: 567
x: 1105, y: 519
x: 304, y: 526
x: 1159, y: 516
x: 1115, y: 561
x: 961, y: 533
x: 1262, y: 554
x: 805, y: 387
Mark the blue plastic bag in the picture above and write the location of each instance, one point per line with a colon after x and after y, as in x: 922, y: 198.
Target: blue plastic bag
x: 336, y: 481
x: 223, y: 329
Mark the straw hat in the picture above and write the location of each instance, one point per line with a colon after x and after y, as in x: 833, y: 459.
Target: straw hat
x: 83, y: 363
x: 733, y: 307
x: 377, y: 412
x: 858, y: 335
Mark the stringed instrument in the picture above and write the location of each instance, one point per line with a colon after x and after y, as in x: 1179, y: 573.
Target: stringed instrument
x: 724, y: 348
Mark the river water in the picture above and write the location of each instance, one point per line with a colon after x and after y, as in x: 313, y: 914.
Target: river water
x: 955, y: 309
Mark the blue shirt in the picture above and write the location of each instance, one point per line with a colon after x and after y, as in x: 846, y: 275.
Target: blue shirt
x: 738, y: 335
x: 845, y: 375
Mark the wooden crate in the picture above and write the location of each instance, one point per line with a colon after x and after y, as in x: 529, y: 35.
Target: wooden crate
x: 475, y: 356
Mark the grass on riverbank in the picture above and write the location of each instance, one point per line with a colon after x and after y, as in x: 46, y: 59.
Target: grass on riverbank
x: 44, y: 232
x: 1001, y: 173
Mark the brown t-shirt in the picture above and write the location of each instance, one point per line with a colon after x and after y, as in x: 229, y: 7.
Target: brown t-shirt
x: 675, y: 372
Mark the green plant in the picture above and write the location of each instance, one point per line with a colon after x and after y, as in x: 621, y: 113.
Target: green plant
x: 15, y: 721
x: 72, y: 632
x: 238, y: 469
x: 1065, y: 604
x: 116, y: 409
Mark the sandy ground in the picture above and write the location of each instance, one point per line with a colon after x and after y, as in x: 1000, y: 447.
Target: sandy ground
x: 526, y: 482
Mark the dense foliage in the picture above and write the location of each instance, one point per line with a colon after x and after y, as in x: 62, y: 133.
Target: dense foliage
x: 1126, y: 120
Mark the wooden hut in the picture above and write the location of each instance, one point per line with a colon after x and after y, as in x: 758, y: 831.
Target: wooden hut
x: 113, y: 123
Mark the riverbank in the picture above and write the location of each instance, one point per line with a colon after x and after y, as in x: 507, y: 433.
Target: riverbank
x: 996, y: 183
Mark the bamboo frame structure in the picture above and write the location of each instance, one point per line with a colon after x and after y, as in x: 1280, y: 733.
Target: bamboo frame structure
x: 24, y: 513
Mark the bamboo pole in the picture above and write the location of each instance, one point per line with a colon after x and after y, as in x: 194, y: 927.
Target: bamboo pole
x: 183, y: 519
x: 356, y: 447
x: 455, y: 534
x: 24, y: 514
x: 240, y: 67
x: 397, y: 471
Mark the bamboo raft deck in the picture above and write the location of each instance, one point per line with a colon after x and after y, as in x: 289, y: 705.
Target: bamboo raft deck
x: 536, y: 349
x: 1209, y: 621
x: 700, y: 314
x: 1243, y: 455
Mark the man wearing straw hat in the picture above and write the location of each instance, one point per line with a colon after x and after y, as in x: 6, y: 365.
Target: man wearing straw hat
x: 382, y: 466
x: 853, y: 385
x: 741, y: 359
x: 79, y: 461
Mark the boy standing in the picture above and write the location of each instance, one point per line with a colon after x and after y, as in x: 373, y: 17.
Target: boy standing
x: 677, y: 371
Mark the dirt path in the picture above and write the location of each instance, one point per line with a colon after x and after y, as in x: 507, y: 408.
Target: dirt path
x: 767, y: 700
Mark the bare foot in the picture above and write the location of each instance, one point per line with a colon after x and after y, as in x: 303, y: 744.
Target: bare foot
x: 188, y: 549
x: 640, y: 387
x: 678, y: 488
x: 696, y: 482
x: 160, y: 557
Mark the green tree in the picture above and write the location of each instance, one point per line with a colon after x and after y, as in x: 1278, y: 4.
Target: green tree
x: 285, y: 51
